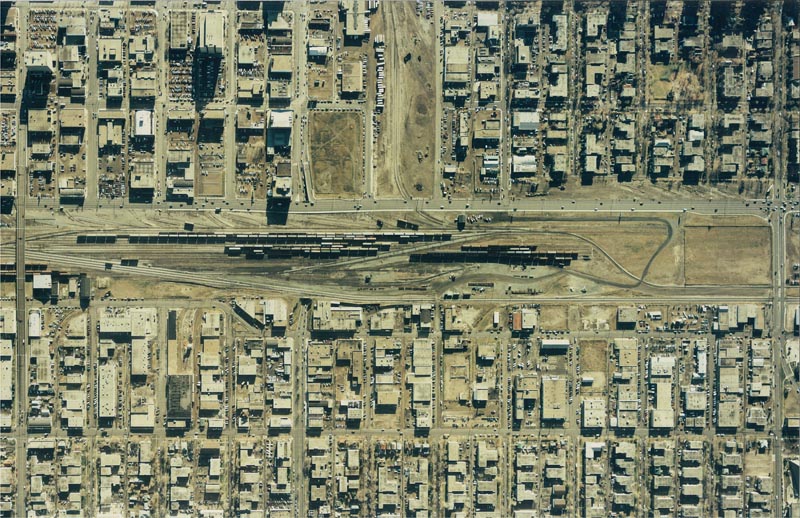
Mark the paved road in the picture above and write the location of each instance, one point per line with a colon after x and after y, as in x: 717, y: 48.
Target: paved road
x: 759, y: 207
x: 21, y: 356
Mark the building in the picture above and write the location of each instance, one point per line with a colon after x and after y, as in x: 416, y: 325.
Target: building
x: 179, y: 30
x: 318, y: 50
x: 281, y: 65
x: 213, y: 116
x: 487, y: 129
x: 180, y: 116
x: 180, y: 174
x: 275, y: 312
x: 8, y: 332
x: 524, y: 166
x: 662, y: 415
x: 72, y: 119
x: 211, y: 37
x: 279, y: 129
x: 109, y: 133
x: 143, y: 125
x: 179, y: 400
x: 526, y: 392
x: 281, y: 188
x: 332, y: 317
x: 627, y: 317
x: 107, y: 391
x: 555, y: 345
x: 8, y: 322
x: 143, y: 85
x: 456, y: 66
x: 554, y: 399
x: 525, y: 121
x: 356, y: 22
x: 42, y: 283
x: 593, y: 413
x: 524, y: 320
x: 352, y: 78
x: 421, y: 381
x: 40, y: 63
x: 39, y: 121
x: 142, y: 175
x: 109, y: 51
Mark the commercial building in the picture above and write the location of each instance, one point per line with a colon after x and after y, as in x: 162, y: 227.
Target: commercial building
x: 179, y: 400
x: 107, y: 391
x: 143, y: 125
x: 179, y: 30
x: 40, y: 63
x: 456, y: 66
x: 554, y: 399
x: 593, y: 413
x: 211, y: 34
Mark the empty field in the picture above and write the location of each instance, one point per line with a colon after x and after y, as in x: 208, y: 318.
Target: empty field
x: 727, y: 255
x: 211, y: 184
x: 553, y: 317
x: 336, y: 149
x: 632, y: 246
x: 593, y: 360
x: 674, y: 83
x: 661, y: 79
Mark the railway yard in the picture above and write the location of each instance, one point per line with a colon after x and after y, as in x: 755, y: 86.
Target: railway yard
x: 412, y: 258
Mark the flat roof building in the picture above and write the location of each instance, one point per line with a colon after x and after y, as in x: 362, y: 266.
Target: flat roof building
x: 140, y: 358
x: 662, y: 414
x: 212, y: 33
x: 594, y: 413
x: 8, y: 322
x: 109, y: 134
x: 109, y: 50
x: 356, y: 24
x: 179, y: 30
x: 555, y: 345
x: 352, y: 78
x: 143, y: 84
x: 554, y: 398
x: 456, y: 65
x: 279, y: 130
x: 333, y: 317
x: 179, y: 397
x: 73, y: 117
x: 525, y: 121
x: 143, y: 126
x: 107, y: 383
x: 627, y: 317
x: 280, y: 65
x: 42, y: 281
x: 40, y: 62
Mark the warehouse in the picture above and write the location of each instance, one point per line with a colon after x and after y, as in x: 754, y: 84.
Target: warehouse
x: 107, y: 383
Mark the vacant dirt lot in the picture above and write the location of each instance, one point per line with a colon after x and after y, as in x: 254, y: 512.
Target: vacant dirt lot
x: 553, y: 317
x: 593, y: 360
x: 336, y: 148
x: 404, y: 154
x: 630, y: 245
x: 211, y: 184
x: 727, y: 255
